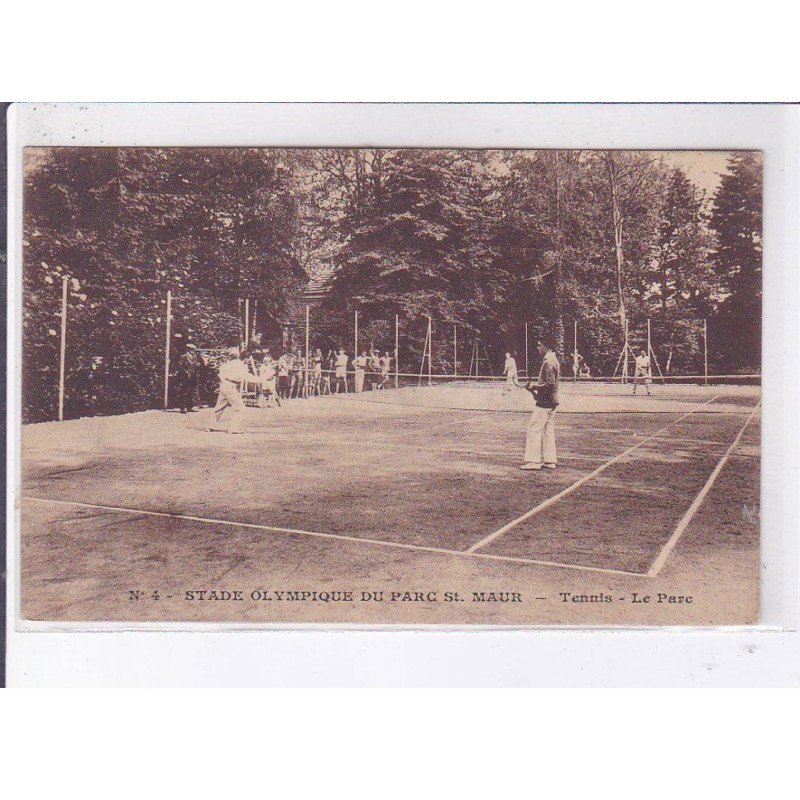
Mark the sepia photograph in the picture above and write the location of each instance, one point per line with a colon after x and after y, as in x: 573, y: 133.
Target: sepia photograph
x: 391, y: 386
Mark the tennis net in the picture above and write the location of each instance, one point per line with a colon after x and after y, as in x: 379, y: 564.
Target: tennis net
x: 719, y: 393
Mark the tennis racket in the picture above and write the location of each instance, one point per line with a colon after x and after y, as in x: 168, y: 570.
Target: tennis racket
x: 527, y: 383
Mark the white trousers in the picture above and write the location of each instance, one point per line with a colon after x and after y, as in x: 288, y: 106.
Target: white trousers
x: 540, y: 441
x: 229, y: 397
x: 360, y: 379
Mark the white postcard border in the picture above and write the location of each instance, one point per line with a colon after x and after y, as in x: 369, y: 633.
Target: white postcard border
x: 206, y: 653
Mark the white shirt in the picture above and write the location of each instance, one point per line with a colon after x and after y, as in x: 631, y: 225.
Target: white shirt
x: 234, y: 370
x: 642, y: 363
x: 267, y: 371
x: 511, y: 366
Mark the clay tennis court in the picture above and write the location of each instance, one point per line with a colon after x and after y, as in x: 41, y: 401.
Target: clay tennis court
x: 361, y: 492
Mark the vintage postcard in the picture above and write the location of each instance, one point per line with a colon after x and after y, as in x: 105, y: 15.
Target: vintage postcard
x: 390, y: 386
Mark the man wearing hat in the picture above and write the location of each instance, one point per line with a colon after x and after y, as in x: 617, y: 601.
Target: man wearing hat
x: 187, y: 378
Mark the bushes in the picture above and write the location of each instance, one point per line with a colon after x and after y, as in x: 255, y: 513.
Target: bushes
x: 126, y: 226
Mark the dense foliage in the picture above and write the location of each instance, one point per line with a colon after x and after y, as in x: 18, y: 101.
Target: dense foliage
x: 736, y: 219
x: 126, y: 226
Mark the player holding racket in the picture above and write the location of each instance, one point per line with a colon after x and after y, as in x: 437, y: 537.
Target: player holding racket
x: 233, y: 374
x: 642, y: 371
x: 510, y: 371
x: 540, y: 439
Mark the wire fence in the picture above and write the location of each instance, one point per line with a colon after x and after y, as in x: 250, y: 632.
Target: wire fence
x: 419, y: 349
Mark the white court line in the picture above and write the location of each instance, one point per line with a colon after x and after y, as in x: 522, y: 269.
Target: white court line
x: 698, y: 501
x: 572, y: 487
x: 553, y: 564
x: 215, y: 521
x: 355, y: 539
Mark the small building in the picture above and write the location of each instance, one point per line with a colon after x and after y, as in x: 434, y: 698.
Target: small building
x: 313, y: 295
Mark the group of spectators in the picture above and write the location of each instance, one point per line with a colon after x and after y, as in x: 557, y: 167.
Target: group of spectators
x: 289, y: 376
x: 271, y: 378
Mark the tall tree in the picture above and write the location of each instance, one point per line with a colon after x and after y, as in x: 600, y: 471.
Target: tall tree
x: 736, y: 218
x: 416, y: 241
x: 633, y: 186
x: 681, y: 286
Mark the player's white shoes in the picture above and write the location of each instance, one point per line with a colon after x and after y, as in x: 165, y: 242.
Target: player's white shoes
x: 531, y: 465
x: 549, y: 466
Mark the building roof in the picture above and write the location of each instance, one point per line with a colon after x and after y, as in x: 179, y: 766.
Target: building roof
x: 314, y: 292
x: 317, y: 288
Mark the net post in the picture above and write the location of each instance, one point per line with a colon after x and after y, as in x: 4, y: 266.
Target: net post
x: 652, y: 354
x: 247, y: 322
x: 616, y: 367
x: 488, y: 358
x: 307, y: 344
x: 355, y: 336
x: 63, y: 349
x: 705, y: 351
x: 168, y: 337
x: 625, y: 355
x: 424, y: 354
x: 526, y: 350
x: 575, y: 347
x: 396, y: 349
x: 472, y: 353
x: 430, y: 348
x: 455, y: 351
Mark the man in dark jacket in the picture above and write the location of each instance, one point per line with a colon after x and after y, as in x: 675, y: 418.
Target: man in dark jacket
x: 188, y: 378
x: 540, y: 441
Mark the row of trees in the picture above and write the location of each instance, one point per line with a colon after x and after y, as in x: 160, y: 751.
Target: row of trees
x: 485, y: 240
x: 489, y: 241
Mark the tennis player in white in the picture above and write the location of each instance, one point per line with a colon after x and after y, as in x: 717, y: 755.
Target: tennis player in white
x: 386, y: 365
x: 232, y: 374
x: 360, y: 366
x: 510, y: 371
x: 642, y: 371
x: 340, y: 365
x: 577, y: 363
x: 540, y: 440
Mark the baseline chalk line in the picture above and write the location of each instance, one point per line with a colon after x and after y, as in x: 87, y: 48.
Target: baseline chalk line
x: 542, y: 563
x: 698, y: 501
x: 251, y: 525
x: 336, y: 536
